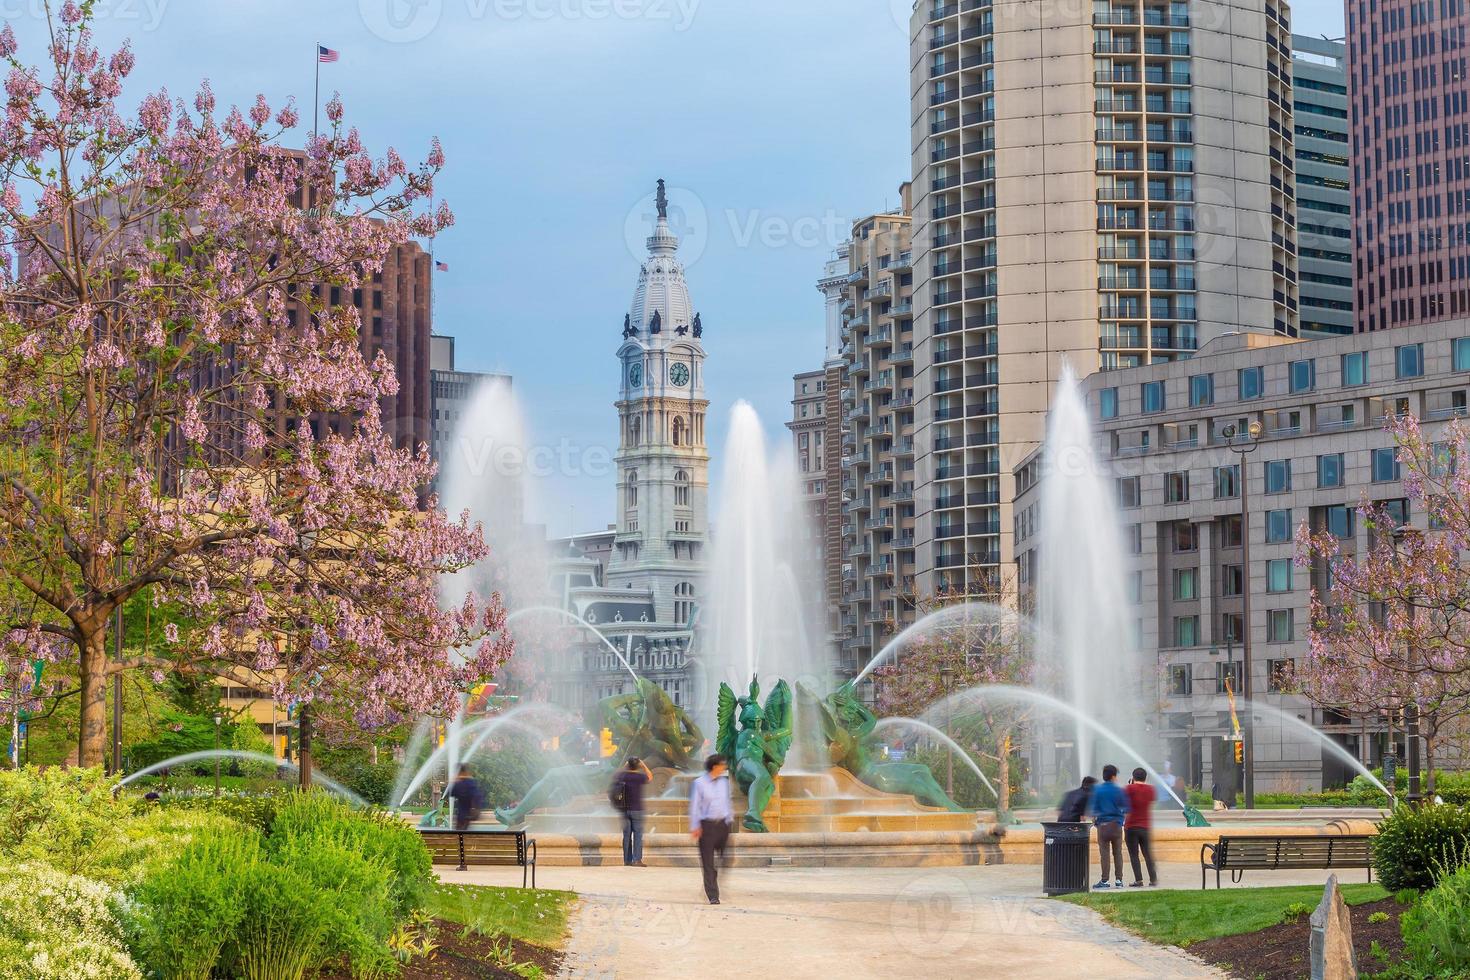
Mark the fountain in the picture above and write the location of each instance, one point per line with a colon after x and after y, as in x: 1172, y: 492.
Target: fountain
x: 318, y: 776
x: 1327, y: 742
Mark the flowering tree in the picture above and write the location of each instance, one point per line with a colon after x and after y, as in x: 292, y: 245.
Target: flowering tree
x: 164, y: 340
x: 1391, y: 627
x: 991, y: 644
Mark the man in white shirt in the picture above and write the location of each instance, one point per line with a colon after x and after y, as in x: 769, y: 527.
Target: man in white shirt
x: 710, y: 818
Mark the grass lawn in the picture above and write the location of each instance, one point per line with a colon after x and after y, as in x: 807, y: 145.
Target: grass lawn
x: 1178, y: 918
x: 534, y: 915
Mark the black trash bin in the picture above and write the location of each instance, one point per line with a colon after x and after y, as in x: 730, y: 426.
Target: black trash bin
x: 1064, y: 863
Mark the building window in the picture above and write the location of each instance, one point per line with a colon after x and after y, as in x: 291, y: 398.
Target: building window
x: 1186, y: 536
x: 1385, y: 465
x: 1397, y: 511
x: 1227, y: 481
x: 1339, y: 521
x: 1176, y: 488
x: 1232, y: 580
x: 1280, y: 626
x: 635, y: 431
x: 632, y: 491
x: 681, y: 489
x: 1278, y: 526
x: 1460, y: 354
x: 1409, y: 360
x: 680, y: 430
x: 1278, y: 476
x: 1107, y: 403
x: 1303, y: 376
x: 1230, y: 531
x: 1355, y: 368
x: 1278, y: 575
x: 1252, y: 383
x: 1227, y: 677
x: 1201, y: 390
x: 1181, y: 681
x: 1135, y: 539
x: 1128, y: 492
x: 1329, y: 470
x: 1186, y: 631
x: 683, y: 603
x: 1151, y: 394
x: 1186, y: 584
x: 1135, y: 588
x: 1232, y: 628
x: 1278, y: 676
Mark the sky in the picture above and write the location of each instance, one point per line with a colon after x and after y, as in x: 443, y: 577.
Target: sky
x: 775, y: 123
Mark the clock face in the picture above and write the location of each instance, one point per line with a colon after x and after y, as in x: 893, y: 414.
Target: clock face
x: 679, y: 375
x: 635, y: 376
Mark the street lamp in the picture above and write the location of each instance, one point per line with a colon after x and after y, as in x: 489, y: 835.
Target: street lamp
x: 946, y: 679
x: 1252, y: 438
x: 217, y: 721
x: 1402, y: 534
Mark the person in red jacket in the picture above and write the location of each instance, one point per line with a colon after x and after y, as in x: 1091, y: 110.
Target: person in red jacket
x: 1138, y: 825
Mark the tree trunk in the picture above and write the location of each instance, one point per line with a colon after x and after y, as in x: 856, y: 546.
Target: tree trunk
x: 1003, y: 777
x: 92, y: 738
x: 303, y: 747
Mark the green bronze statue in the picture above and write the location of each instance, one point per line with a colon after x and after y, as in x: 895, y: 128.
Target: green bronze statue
x: 847, y: 727
x: 758, y: 749
x: 645, y: 723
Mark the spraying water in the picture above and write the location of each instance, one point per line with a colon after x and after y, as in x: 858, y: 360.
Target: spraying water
x: 317, y: 776
x: 951, y: 744
x: 961, y: 614
x: 568, y: 614
x: 1327, y: 742
x: 1083, y: 608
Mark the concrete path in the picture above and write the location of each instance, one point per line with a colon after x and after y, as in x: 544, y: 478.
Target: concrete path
x: 794, y: 923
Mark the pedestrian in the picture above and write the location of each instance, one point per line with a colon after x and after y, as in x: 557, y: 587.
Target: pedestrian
x: 466, y: 802
x: 1074, y: 804
x: 1109, y: 807
x: 627, y: 797
x: 1138, y: 827
x: 710, y: 817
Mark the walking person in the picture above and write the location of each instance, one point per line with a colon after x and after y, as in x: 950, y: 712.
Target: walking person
x: 466, y: 801
x: 627, y: 796
x: 1138, y: 826
x: 1109, y: 809
x: 1074, y: 804
x: 710, y: 817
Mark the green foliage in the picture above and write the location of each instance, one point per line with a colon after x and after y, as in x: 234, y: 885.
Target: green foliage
x: 1295, y: 911
x: 969, y: 791
x: 379, y: 836
x: 284, y: 931
x: 258, y: 811
x: 58, y: 926
x: 1436, y: 929
x: 510, y: 768
x: 534, y: 915
x: 180, y: 733
x: 60, y: 816
x: 1377, y: 917
x: 356, y: 891
x: 155, y: 838
x: 246, y: 736
x: 1411, y: 844
x: 353, y: 767
x: 185, y: 910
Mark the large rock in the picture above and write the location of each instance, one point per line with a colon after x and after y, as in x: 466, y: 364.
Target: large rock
x: 1332, y: 937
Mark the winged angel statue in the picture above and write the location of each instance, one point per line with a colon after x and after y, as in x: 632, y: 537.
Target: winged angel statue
x: 758, y: 749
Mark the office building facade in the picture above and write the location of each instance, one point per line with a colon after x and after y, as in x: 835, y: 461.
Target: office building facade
x: 1324, y: 195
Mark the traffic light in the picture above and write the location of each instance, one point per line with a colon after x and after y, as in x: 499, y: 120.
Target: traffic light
x: 1240, y: 752
x: 608, y: 748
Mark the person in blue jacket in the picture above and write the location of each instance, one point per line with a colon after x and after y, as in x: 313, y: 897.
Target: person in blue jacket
x: 1109, y: 808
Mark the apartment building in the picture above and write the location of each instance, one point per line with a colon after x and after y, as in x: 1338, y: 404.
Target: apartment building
x: 1323, y: 449
x: 1111, y: 184
x: 1323, y: 184
x: 815, y: 435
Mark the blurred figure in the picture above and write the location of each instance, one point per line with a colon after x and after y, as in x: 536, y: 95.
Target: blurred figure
x: 1138, y: 826
x: 1109, y: 808
x: 627, y: 796
x: 710, y: 817
x: 1074, y: 804
x: 466, y: 800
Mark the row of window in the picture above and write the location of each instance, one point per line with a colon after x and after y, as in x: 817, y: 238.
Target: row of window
x: 1228, y: 678
x: 1280, y: 628
x: 1301, y: 377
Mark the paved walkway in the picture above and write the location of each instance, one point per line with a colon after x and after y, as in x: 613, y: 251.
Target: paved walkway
x: 850, y: 923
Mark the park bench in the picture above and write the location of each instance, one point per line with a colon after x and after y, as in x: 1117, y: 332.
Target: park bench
x: 483, y: 848
x: 1238, y: 855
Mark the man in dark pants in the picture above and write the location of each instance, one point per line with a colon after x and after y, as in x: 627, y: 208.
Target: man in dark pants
x: 1109, y: 807
x: 1138, y: 825
x: 634, y: 777
x: 710, y: 817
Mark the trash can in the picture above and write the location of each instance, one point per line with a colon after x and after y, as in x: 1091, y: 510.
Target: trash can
x: 1064, y: 863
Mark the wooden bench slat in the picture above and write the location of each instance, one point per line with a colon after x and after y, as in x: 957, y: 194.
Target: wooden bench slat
x: 485, y: 848
x: 1240, y: 854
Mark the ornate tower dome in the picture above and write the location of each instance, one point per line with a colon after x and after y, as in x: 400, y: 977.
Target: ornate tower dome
x: 661, y: 286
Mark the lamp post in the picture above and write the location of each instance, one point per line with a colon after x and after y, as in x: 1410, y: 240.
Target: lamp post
x: 1252, y: 439
x: 1412, y: 746
x: 217, y: 721
x: 946, y: 679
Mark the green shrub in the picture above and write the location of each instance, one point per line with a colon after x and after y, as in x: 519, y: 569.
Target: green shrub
x: 1411, y: 844
x: 179, y: 733
x: 58, y: 926
x: 1436, y: 929
x: 380, y: 836
x: 357, y: 893
x: 254, y: 810
x: 61, y: 816
x: 156, y: 837
x: 184, y: 910
x: 283, y: 932
x: 246, y: 736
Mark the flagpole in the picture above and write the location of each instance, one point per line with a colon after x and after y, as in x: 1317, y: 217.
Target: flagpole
x: 316, y: 96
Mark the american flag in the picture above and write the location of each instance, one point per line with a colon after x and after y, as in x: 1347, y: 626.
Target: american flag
x: 325, y: 55
x: 442, y: 266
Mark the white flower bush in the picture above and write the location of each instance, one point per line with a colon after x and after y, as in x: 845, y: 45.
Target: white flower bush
x: 59, y: 926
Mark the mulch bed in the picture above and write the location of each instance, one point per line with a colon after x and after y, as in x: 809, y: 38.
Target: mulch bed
x: 1283, y: 952
x: 463, y: 954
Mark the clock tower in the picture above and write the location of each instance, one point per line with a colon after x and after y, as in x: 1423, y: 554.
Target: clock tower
x: 662, y: 460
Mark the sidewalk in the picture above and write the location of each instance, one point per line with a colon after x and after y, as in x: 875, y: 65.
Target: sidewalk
x: 851, y: 923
